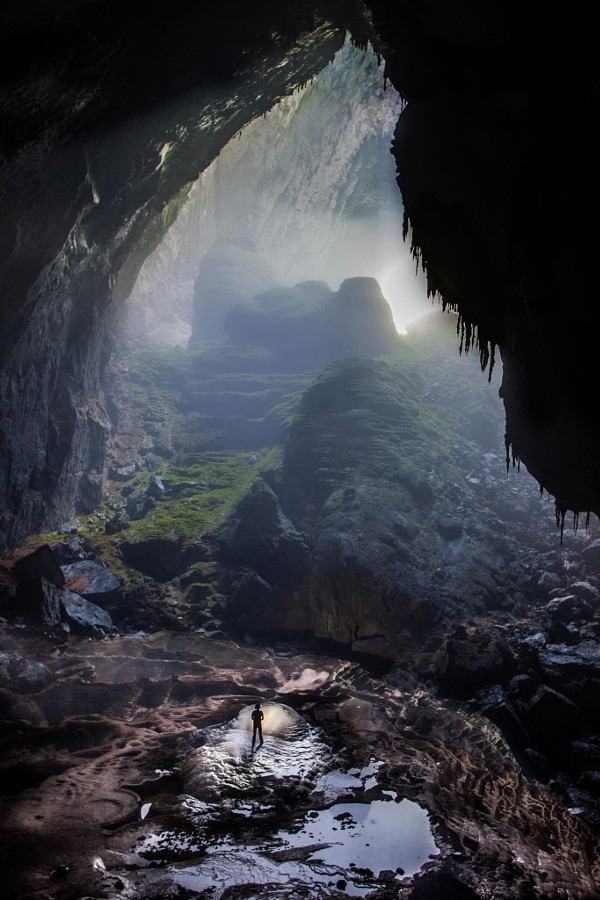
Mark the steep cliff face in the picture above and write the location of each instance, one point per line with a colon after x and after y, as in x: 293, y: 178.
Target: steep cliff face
x: 105, y: 126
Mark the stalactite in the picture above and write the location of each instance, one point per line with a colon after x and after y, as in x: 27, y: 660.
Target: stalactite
x: 491, y: 359
x: 469, y: 333
x: 560, y: 520
x: 511, y: 456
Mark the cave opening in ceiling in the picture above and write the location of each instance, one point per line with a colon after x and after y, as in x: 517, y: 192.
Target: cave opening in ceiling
x: 305, y: 192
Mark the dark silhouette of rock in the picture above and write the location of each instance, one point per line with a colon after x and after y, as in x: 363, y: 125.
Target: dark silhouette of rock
x: 312, y: 321
x: 450, y: 527
x: 569, y: 608
x: 478, y: 660
x: 42, y: 563
x: 139, y: 505
x: 156, y: 488
x: 116, y: 523
x: 547, y: 707
x: 260, y: 535
x: 38, y: 601
x: 441, y: 886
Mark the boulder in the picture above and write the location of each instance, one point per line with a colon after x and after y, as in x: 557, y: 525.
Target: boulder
x: 477, y: 661
x: 83, y: 617
x: 548, y: 714
x: 258, y: 535
x: 90, y: 578
x: 156, y: 488
x: 498, y: 708
x: 139, y: 505
x: 450, y: 527
x: 38, y: 601
x: 116, y: 523
x: 586, y: 591
x: 42, y: 563
x: 569, y: 609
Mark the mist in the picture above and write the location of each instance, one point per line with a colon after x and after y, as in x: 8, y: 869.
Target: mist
x: 311, y: 185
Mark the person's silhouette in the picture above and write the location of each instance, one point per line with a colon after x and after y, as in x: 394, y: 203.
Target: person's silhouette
x: 257, y: 720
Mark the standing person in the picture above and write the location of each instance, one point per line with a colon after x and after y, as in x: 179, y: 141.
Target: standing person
x: 257, y: 719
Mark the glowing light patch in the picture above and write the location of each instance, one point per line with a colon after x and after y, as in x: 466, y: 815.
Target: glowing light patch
x: 406, y: 292
x: 278, y: 718
x: 163, y: 153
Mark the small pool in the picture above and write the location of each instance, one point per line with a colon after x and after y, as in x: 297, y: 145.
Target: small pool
x: 382, y: 835
x: 345, y: 846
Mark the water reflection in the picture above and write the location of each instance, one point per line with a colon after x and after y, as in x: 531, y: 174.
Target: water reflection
x: 349, y: 843
x: 387, y: 834
x: 285, y: 818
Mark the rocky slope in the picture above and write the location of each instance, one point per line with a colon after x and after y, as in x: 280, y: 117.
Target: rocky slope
x: 388, y: 539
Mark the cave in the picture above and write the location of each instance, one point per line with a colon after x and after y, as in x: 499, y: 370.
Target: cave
x: 297, y: 399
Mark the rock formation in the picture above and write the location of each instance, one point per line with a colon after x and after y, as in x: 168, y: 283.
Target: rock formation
x: 415, y: 608
x: 103, y: 142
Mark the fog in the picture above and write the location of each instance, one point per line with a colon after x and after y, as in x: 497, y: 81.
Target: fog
x: 312, y: 186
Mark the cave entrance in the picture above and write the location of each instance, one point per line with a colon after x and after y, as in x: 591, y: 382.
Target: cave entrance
x: 305, y: 192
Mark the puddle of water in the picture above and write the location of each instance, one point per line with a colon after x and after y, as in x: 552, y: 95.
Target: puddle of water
x: 382, y: 835
x: 336, y: 782
x: 358, y: 840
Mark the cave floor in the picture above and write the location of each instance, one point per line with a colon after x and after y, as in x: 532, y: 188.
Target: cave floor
x: 127, y: 772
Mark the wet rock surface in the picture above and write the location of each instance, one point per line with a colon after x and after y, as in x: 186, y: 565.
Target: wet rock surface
x: 128, y: 770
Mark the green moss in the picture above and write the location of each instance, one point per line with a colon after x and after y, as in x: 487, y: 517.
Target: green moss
x: 216, y: 481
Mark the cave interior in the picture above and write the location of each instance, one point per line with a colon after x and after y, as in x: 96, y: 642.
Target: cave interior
x: 298, y: 406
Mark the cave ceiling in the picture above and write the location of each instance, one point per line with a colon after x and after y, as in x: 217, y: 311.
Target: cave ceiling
x: 108, y: 116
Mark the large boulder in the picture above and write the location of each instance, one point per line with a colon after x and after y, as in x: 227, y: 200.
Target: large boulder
x: 42, y: 563
x: 310, y: 320
x: 258, y: 535
x: 83, y: 617
x: 91, y: 578
x: 38, y: 601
